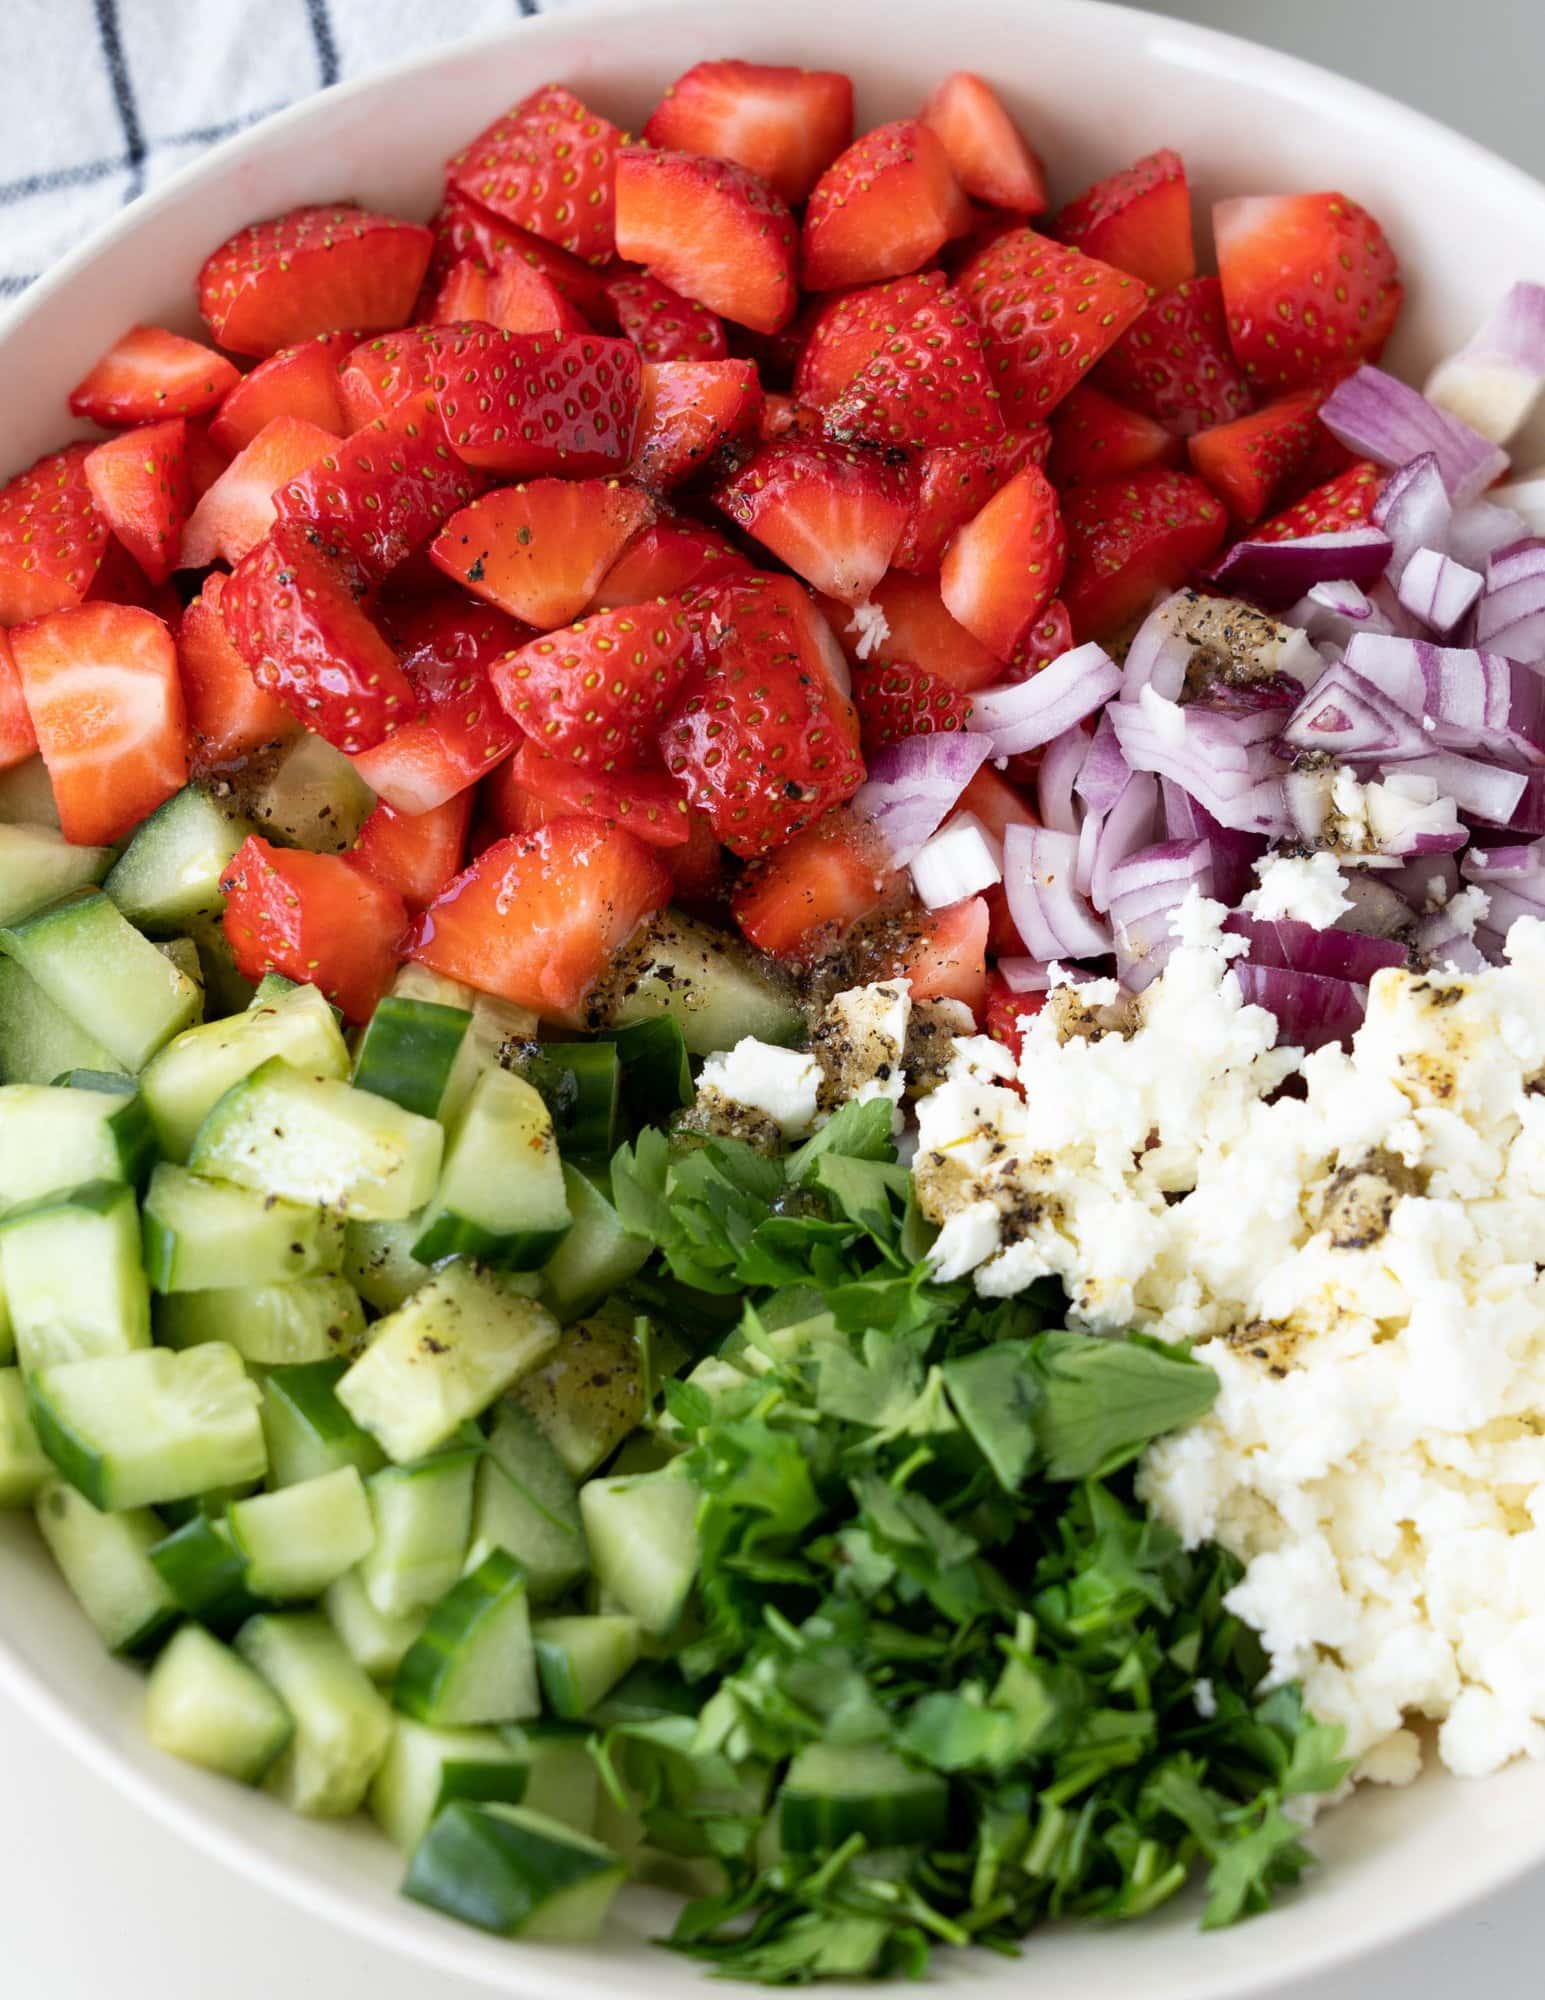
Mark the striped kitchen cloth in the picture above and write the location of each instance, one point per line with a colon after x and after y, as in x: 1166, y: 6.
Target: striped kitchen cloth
x: 107, y: 97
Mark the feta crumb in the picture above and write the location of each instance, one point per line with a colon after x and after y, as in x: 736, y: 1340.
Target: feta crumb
x: 783, y: 1084
x: 870, y: 625
x: 1304, y: 889
x: 1205, y: 1696
x: 860, y: 1043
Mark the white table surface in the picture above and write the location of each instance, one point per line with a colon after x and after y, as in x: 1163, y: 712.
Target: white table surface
x: 97, y: 1900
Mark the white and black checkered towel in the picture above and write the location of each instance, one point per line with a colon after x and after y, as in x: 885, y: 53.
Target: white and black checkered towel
x: 107, y: 97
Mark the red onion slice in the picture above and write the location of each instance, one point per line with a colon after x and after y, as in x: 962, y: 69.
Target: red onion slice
x: 1311, y: 1009
x: 1128, y: 826
x: 1350, y: 717
x: 1147, y: 890
x: 1494, y: 380
x: 1051, y: 917
x: 1510, y: 617
x: 1382, y: 418
x: 1479, y: 530
x: 1414, y: 510
x: 914, y: 784
x: 1438, y: 590
x: 1024, y: 715
x: 1103, y: 776
x: 1157, y: 657
x: 1275, y: 574
x: 1025, y: 975
x: 1332, y: 954
x: 1060, y: 769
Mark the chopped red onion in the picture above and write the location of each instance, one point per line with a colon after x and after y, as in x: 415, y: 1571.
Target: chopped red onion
x: 1480, y: 789
x: 1024, y: 715
x: 1482, y: 527
x: 1408, y: 815
x: 1413, y: 509
x: 1051, y: 917
x: 1442, y: 942
x: 1311, y: 1009
x: 962, y: 859
x: 1350, y: 717
x: 1147, y: 889
x: 1088, y: 848
x: 1472, y: 700
x: 1025, y: 975
x: 1526, y: 498
x: 1274, y: 574
x: 1382, y: 418
x: 1513, y: 878
x: 1510, y: 617
x: 1215, y: 757
x: 1494, y: 380
x: 1128, y: 826
x: 1422, y: 882
x: 914, y: 784
x: 1438, y: 590
x: 1378, y: 909
x: 1234, y: 854
x: 1528, y: 815
x: 1297, y: 946
x: 1061, y: 766
x: 1105, y: 771
x: 1157, y: 657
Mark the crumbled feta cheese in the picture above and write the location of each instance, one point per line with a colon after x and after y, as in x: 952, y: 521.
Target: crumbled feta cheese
x: 860, y: 1043
x: 1304, y: 889
x: 783, y: 1084
x: 870, y: 626
x: 1469, y: 909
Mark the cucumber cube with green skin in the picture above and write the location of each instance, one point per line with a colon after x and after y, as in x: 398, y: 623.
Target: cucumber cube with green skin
x: 56, y: 1137
x: 271, y: 987
x: 24, y: 1465
x: 270, y: 1326
x: 474, y: 1661
x: 595, y: 1257
x: 135, y: 1430
x: 701, y: 977
x: 342, y: 1724
x: 378, y: 1261
x: 377, y: 1644
x: 834, y: 1791
x: 204, y: 1704
x: 201, y: 1235
x: 579, y: 1660
x: 38, y: 866
x: 183, y: 953
x: 27, y: 795
x: 169, y: 874
x: 105, y: 1559
x: 581, y: 1085
x: 302, y: 1538
x: 409, y: 1050
x: 426, y: 1769
x: 74, y: 1285
x: 656, y: 1071
x: 500, y: 1197
x: 227, y: 990
x: 453, y: 1349
x: 311, y: 796
x: 315, y: 1139
x: 528, y: 1504
x: 309, y: 1432
x: 39, y: 1041
x: 561, y: 1775
x: 206, y: 1573
x: 186, y: 1080
x: 644, y: 1551
x: 423, y: 1519
x: 589, y: 1393
x: 111, y: 981
x: 497, y: 1027
x: 514, y: 1872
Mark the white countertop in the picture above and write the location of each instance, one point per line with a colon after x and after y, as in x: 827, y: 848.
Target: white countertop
x: 97, y: 1900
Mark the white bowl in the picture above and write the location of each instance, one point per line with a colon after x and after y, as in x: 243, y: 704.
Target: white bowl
x: 1094, y: 86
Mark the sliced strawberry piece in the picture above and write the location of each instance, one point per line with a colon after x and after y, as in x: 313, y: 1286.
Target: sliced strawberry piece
x: 1175, y: 363
x: 1139, y: 220
x: 711, y: 231
x: 1003, y: 568
x: 414, y: 854
x: 895, y: 701
x: 786, y: 125
x: 846, y: 333
x: 797, y: 903
x: 101, y: 686
x: 926, y: 385
x: 547, y: 166
x: 1256, y: 461
x: 1132, y: 538
x: 120, y: 580
x: 539, y: 551
x: 294, y: 619
x: 538, y: 917
x: 140, y: 484
x: 314, y: 270
x: 690, y: 411
x: 664, y: 326
x: 763, y: 739
x: 1309, y: 283
x: 883, y: 208
x: 206, y: 460
x: 464, y: 228
x: 229, y: 715
x: 595, y: 694
x: 150, y: 374
x: 464, y: 295
x: 445, y: 646
x: 954, y: 483
x: 915, y: 630
x: 18, y: 738
x: 699, y: 869
x: 314, y: 918
x: 834, y: 515
x: 1049, y: 314
x: 1341, y: 503
x: 52, y: 537
x: 943, y: 953
x: 514, y: 295
x: 783, y: 417
x: 990, y: 159
x: 1048, y: 639
x: 667, y: 559
x: 534, y: 788
x: 1094, y: 437
x: 998, y: 802
x: 240, y: 508
x: 1005, y: 1013
x: 300, y: 381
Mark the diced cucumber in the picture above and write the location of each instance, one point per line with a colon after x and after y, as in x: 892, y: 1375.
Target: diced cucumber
x: 201, y: 1235
x: 315, y: 1139
x: 456, y: 1346
x: 408, y: 1052
x: 38, y: 866
x: 642, y: 1532
x: 58, y: 1137
x: 426, y: 1769
x: 378, y: 1644
x: 302, y: 1538
x: 342, y: 1724
x: 581, y: 1085
x: 500, y: 1197
x: 413, y: 981
x: 561, y: 1775
x: 137, y: 1429
x: 227, y: 990
x: 191, y: 1074
x: 528, y: 1505
x: 206, y: 1573
x: 27, y: 795
x: 834, y: 1791
x: 589, y: 1392
x: 311, y: 796
x: 271, y: 987
x: 515, y: 1872
x: 378, y: 1261
x: 580, y: 1659
x: 656, y: 1070
x: 169, y: 874
x: 105, y: 976
x: 105, y: 1559
x: 309, y: 1432
x: 423, y: 1517
x: 24, y: 1466
x: 498, y: 1027
x: 39, y: 1041
x: 74, y: 1285
x: 183, y: 953
x: 474, y: 1661
x: 271, y: 1326
x: 204, y: 1704
x: 703, y: 978
x: 596, y: 1255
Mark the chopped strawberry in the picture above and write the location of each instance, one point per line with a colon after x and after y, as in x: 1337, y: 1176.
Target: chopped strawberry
x: 18, y: 738
x: 1002, y: 569
x: 667, y: 559
x: 797, y: 903
x: 943, y: 953
x: 463, y: 228
x: 120, y: 580
x: 1139, y: 220
x: 1341, y: 503
x: 786, y: 125
x: 1309, y: 282
x: 314, y: 270
x: 883, y: 208
x: 834, y: 515
x: 699, y: 870
x: 711, y: 231
x: 300, y: 381
x: 540, y: 550
x: 763, y: 739
x: 1255, y: 461
x: 927, y: 385
x: 547, y: 166
x: 1094, y: 437
x: 915, y: 629
x: 52, y: 538
x: 664, y: 326
x: 314, y: 918
x: 1049, y: 314
x: 955, y: 482
x: 534, y: 788
x: 414, y: 854
x: 1131, y: 538
x: 783, y: 417
x: 847, y: 332
x: 139, y: 481
x: 295, y: 620
x: 895, y: 701
x: 239, y: 509
x: 999, y: 803
x: 538, y: 917
x: 596, y: 693
x: 1048, y: 639
x: 445, y: 646
x: 514, y: 295
x: 1175, y: 363
x: 229, y: 715
x: 689, y: 412
x: 465, y: 295
x: 101, y: 686
x: 990, y: 158
x: 206, y: 459
x: 150, y: 374
x: 1006, y: 1013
